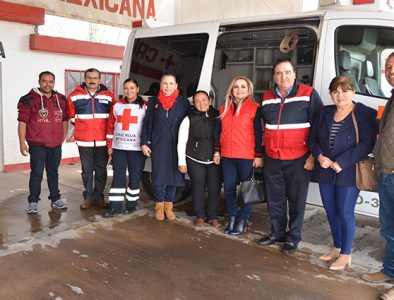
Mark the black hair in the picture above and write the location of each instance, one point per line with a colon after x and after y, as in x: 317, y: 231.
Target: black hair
x: 283, y: 60
x: 139, y: 100
x: 91, y: 70
x: 201, y: 92
x: 131, y: 80
x: 45, y: 73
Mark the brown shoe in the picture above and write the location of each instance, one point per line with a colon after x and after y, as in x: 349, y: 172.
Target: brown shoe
x: 159, y: 211
x: 215, y: 223
x: 376, y: 277
x: 168, y: 206
x: 87, y: 203
x: 102, y: 204
x: 199, y: 222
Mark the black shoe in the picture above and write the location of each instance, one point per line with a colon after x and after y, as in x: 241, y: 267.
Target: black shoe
x: 129, y: 210
x: 230, y: 225
x: 240, y: 227
x: 269, y: 240
x: 289, y: 248
x: 111, y: 213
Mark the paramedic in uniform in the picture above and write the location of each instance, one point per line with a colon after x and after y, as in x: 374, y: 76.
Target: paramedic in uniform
x: 288, y: 110
x: 123, y: 142
x: 88, y: 108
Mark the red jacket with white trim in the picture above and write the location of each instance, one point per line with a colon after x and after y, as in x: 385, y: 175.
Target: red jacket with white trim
x: 89, y: 115
x: 125, y: 124
x: 288, y: 120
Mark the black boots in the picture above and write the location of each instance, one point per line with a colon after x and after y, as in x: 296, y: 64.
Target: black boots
x: 236, y: 227
x: 240, y: 227
x: 230, y: 225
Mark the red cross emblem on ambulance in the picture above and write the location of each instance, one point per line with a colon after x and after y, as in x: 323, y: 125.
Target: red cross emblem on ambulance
x: 126, y: 119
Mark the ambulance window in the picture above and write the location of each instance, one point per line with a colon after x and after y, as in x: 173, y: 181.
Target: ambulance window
x: 360, y: 54
x: 181, y: 55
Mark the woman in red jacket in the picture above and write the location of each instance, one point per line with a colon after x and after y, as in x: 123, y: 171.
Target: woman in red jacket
x: 240, y: 147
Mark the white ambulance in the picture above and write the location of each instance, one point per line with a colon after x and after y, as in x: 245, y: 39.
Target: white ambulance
x: 352, y: 40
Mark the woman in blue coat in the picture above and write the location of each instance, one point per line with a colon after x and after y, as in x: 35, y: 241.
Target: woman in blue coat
x: 159, y: 140
x: 333, y: 144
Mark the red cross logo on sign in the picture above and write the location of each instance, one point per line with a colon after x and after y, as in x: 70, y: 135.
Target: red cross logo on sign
x: 126, y: 119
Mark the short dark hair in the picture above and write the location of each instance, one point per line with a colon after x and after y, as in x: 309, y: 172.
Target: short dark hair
x: 283, y: 60
x: 91, y: 70
x: 346, y: 83
x: 45, y: 73
x: 131, y: 80
x: 168, y: 75
x: 201, y: 92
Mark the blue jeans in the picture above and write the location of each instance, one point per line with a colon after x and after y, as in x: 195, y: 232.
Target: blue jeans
x: 386, y: 217
x: 49, y: 158
x: 339, y: 203
x: 234, y: 171
x: 165, y: 193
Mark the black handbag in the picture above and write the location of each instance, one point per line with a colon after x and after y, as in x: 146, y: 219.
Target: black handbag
x: 252, y: 191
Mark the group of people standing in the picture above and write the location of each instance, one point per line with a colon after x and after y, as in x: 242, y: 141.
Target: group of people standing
x: 289, y: 133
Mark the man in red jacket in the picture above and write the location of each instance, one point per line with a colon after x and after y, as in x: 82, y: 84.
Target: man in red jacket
x: 288, y: 110
x: 88, y: 107
x: 42, y: 129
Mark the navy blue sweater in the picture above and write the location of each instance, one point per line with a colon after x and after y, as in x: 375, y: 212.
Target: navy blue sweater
x: 345, y: 150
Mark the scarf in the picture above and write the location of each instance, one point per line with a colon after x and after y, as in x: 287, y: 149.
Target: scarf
x: 168, y: 101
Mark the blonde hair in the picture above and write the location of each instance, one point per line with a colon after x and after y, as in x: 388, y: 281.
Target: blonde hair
x: 229, y: 95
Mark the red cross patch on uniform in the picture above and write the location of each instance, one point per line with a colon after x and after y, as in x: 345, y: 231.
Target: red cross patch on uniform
x: 126, y: 119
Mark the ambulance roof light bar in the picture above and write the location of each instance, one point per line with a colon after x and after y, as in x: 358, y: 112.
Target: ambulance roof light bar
x: 147, y: 23
x: 323, y: 3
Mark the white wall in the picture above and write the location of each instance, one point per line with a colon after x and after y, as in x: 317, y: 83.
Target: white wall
x: 188, y: 11
x: 20, y: 71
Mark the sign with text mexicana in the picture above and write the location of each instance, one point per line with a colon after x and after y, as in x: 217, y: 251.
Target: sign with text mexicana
x: 110, y: 12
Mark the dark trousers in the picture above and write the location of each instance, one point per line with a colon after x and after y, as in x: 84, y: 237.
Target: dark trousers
x: 234, y: 171
x: 94, y: 171
x: 286, y: 182
x: 165, y: 193
x: 386, y: 218
x: 49, y: 158
x: 339, y: 203
x: 205, y: 175
x: 134, y: 161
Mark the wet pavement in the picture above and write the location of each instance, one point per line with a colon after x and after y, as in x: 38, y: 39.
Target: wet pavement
x: 79, y: 255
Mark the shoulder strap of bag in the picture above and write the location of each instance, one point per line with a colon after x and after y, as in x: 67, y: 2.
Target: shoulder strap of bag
x: 252, y: 175
x: 355, y: 124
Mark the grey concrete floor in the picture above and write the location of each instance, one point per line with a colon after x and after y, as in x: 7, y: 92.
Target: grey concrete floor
x: 79, y: 255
